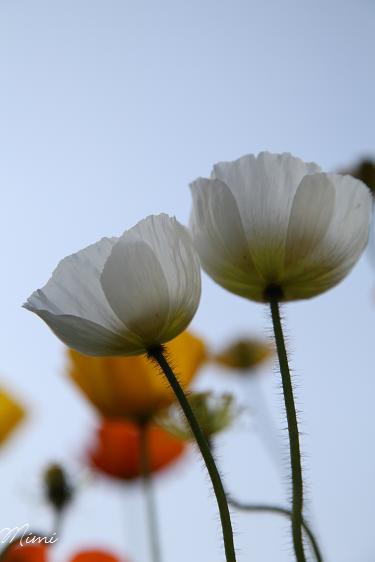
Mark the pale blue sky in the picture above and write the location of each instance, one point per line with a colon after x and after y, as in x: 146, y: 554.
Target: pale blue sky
x: 107, y: 110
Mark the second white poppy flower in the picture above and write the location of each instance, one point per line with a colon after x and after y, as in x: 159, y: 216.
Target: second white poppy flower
x: 276, y: 223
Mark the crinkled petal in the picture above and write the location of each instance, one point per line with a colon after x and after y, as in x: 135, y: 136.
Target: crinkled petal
x: 220, y: 239
x: 264, y: 188
x: 89, y: 337
x: 75, y: 290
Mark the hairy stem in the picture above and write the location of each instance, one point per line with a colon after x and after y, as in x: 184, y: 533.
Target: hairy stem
x: 158, y: 355
x: 149, y: 494
x: 278, y: 510
x: 294, y: 445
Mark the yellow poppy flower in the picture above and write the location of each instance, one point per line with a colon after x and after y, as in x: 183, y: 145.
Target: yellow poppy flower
x: 11, y: 414
x: 132, y: 387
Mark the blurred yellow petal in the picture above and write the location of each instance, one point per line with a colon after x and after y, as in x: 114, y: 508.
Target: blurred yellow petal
x: 244, y: 354
x: 11, y: 415
x: 132, y: 387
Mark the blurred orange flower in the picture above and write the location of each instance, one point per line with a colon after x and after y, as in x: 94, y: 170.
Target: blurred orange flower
x: 118, y: 449
x: 11, y: 415
x: 132, y: 387
x: 94, y: 556
x: 39, y: 553
x: 26, y: 553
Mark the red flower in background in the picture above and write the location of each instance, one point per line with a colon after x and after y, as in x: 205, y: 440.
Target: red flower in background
x: 117, y: 449
x: 94, y: 556
x: 27, y: 553
x: 39, y: 553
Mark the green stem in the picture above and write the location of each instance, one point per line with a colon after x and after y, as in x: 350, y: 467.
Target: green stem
x: 149, y: 493
x: 294, y: 446
x: 158, y: 355
x: 261, y: 508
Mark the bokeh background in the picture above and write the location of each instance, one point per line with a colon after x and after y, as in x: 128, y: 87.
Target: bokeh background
x: 107, y: 111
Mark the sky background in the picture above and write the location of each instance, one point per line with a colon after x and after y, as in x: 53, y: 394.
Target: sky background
x: 108, y: 109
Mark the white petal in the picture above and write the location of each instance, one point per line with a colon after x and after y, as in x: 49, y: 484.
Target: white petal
x: 220, y: 239
x: 264, y: 188
x: 152, y: 279
x: 349, y: 228
x: 343, y: 242
x: 136, y: 288
x: 173, y: 247
x: 88, y: 337
x: 75, y: 290
x: 310, y: 216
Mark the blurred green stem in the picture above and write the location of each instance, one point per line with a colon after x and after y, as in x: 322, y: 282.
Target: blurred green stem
x: 157, y: 355
x: 149, y: 493
x: 58, y: 522
x: 294, y: 446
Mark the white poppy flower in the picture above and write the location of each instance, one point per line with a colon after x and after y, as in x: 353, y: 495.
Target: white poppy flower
x: 124, y: 295
x: 274, y: 222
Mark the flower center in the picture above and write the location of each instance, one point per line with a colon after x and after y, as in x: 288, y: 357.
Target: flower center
x: 273, y: 292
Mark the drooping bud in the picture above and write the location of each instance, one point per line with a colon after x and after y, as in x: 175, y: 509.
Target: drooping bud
x: 58, y: 489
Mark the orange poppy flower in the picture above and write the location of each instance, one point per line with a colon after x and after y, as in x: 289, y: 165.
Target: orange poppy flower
x: 11, y: 414
x: 39, y: 553
x: 132, y: 387
x: 27, y: 553
x: 94, y: 556
x: 118, y: 449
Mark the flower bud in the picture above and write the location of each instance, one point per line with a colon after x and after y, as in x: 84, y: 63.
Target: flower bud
x: 58, y: 489
x: 365, y: 171
x: 244, y: 354
x: 213, y: 412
